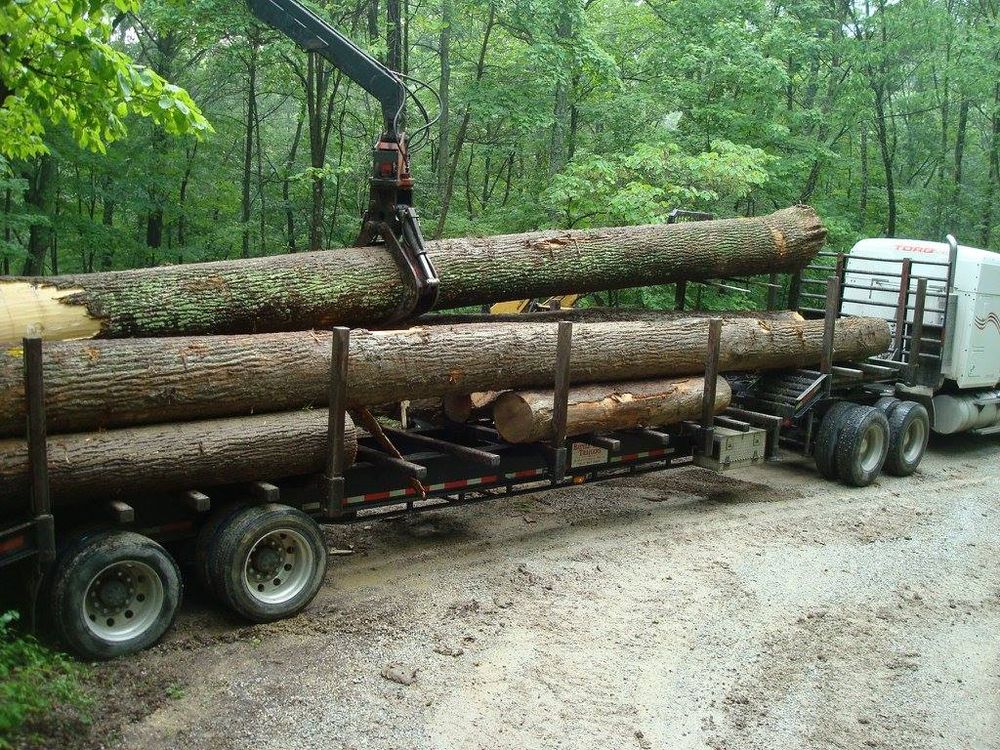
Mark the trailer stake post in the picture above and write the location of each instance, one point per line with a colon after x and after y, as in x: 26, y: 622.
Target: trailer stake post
x: 795, y: 291
x: 901, y: 304
x: 341, y: 341
x: 917, y: 332
x: 41, y: 499
x: 560, y: 402
x: 711, y: 380
x: 829, y: 326
x: 772, y: 291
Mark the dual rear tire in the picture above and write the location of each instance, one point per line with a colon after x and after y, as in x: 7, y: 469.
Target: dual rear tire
x: 264, y: 562
x: 114, y: 592
x: 855, y: 443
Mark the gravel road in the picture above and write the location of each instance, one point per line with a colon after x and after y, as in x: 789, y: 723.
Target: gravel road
x: 763, y: 609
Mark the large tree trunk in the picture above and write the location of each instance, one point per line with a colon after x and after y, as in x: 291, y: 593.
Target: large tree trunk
x: 41, y: 196
x: 526, y: 416
x: 97, y: 384
x: 165, y: 458
x: 362, y: 286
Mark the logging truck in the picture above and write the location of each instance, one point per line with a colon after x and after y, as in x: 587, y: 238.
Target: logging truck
x: 104, y: 574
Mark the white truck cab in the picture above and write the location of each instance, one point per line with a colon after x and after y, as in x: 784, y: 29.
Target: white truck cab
x: 961, y: 321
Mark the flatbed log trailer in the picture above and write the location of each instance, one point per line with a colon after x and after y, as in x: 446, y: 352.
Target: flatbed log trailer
x: 101, y: 576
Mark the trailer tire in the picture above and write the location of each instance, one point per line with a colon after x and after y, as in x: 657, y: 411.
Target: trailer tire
x: 886, y: 404
x: 825, y: 452
x: 208, y: 536
x: 267, y: 561
x: 113, y: 593
x: 909, y: 429
x: 862, y: 446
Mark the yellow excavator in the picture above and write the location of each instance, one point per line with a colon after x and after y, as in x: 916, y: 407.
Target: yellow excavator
x: 516, y: 306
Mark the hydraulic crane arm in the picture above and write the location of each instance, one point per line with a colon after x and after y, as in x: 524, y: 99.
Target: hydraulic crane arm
x: 314, y: 34
x: 390, y: 217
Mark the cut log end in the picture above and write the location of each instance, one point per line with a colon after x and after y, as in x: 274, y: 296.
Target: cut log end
x: 38, y: 310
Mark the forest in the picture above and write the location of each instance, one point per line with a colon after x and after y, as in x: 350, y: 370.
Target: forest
x: 175, y: 131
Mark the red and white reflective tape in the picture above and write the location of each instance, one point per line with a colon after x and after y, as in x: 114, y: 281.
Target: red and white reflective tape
x: 458, y: 484
x: 628, y: 457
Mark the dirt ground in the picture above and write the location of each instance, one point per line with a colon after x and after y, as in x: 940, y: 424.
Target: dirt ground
x: 766, y: 609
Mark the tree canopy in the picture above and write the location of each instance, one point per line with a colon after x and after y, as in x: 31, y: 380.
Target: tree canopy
x: 59, y: 67
x: 884, y: 115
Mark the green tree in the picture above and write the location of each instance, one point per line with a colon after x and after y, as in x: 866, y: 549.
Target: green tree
x: 58, y: 66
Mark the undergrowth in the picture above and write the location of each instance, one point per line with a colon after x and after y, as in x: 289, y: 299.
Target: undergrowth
x: 34, y: 680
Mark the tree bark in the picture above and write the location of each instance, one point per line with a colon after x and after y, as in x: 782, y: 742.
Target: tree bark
x: 91, y: 385
x: 249, y: 141
x: 463, y: 128
x: 561, y: 108
x: 286, y: 183
x: 166, y: 458
x: 881, y: 130
x: 40, y: 195
x: 362, y: 286
x: 954, y: 222
x: 526, y: 416
x: 394, y: 36
x: 603, y: 315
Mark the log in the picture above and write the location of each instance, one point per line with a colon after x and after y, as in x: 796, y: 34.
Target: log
x: 94, y: 385
x: 363, y: 286
x: 601, y: 315
x: 461, y: 407
x: 526, y: 416
x: 164, y: 458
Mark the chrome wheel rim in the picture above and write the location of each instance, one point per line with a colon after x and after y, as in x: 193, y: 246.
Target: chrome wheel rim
x: 913, y: 441
x: 872, y: 445
x: 279, y: 567
x: 123, y: 601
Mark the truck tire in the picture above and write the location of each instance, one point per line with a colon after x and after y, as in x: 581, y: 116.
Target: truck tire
x: 909, y: 428
x: 266, y: 562
x: 826, y: 439
x: 208, y: 536
x: 862, y: 445
x: 886, y: 404
x: 113, y: 593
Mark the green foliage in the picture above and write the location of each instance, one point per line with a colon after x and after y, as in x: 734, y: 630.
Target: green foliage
x: 580, y: 114
x: 33, y: 679
x: 58, y: 66
x: 643, y: 186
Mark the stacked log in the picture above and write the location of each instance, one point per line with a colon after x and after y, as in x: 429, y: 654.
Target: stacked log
x: 164, y: 458
x: 173, y: 378
x: 461, y: 407
x: 527, y: 416
x: 92, y: 385
x: 363, y: 286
